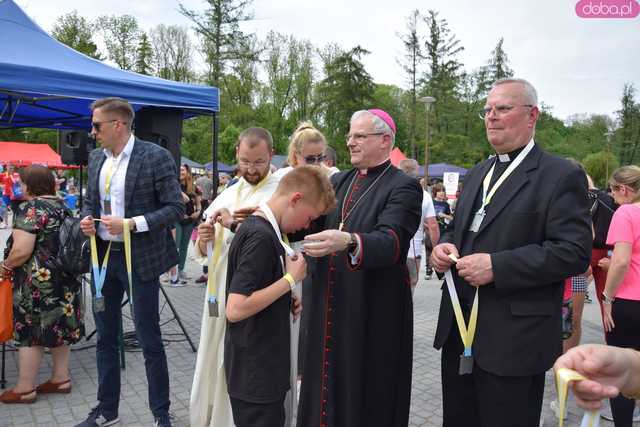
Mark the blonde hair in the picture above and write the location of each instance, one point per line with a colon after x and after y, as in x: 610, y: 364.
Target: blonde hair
x: 629, y: 176
x: 304, y: 133
x: 314, y: 185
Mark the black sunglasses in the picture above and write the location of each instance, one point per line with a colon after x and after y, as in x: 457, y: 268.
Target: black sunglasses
x: 96, y: 125
x: 315, y: 159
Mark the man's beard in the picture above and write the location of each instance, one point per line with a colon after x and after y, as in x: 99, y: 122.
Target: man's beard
x: 253, y: 179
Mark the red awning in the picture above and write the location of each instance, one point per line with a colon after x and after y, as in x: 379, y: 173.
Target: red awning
x: 397, y: 156
x: 24, y: 154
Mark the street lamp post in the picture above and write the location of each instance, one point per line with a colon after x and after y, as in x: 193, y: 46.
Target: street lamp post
x: 608, y: 134
x: 428, y: 101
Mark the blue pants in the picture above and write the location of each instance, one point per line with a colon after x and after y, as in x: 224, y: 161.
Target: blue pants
x: 147, y: 325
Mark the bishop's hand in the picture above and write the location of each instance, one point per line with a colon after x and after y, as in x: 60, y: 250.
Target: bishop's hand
x: 326, y: 242
x: 441, y: 259
x: 476, y: 269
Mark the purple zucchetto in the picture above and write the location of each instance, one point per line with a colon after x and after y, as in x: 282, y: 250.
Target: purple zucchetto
x: 385, y: 118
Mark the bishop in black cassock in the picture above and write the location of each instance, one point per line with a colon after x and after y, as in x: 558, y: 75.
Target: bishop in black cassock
x: 357, y: 365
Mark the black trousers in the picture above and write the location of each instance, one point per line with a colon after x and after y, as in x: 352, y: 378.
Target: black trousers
x: 626, y: 334
x: 247, y: 414
x: 484, y: 399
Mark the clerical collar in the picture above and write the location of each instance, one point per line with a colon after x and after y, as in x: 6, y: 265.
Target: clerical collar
x: 508, y: 157
x: 376, y: 169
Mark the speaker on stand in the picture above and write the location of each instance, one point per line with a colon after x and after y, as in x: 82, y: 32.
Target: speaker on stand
x: 75, y: 146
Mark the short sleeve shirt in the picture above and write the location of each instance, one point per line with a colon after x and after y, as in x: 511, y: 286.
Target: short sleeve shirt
x: 625, y: 227
x: 256, y: 351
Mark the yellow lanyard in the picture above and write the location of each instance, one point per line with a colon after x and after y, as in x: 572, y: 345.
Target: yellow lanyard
x: 466, y: 334
x: 214, y: 251
x: 213, y: 256
x: 253, y: 191
x: 486, y: 197
x: 99, y: 273
x: 107, y: 179
x: 563, y: 377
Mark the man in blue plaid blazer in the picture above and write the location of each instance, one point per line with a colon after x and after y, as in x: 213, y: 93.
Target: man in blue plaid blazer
x: 133, y: 179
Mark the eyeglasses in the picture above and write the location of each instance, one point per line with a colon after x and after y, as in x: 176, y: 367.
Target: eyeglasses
x: 258, y: 164
x: 96, y: 125
x: 359, y: 137
x: 314, y: 159
x: 500, y: 110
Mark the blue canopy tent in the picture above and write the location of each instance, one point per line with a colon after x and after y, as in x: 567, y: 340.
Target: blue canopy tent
x: 44, y: 83
x: 222, y: 167
x: 437, y: 170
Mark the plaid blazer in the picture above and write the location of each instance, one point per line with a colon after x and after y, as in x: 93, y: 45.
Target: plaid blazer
x: 151, y: 189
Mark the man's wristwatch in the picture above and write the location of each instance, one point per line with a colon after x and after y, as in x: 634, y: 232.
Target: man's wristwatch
x: 353, y: 242
x: 606, y: 299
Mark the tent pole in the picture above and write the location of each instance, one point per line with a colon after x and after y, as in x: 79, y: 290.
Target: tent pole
x: 214, y: 156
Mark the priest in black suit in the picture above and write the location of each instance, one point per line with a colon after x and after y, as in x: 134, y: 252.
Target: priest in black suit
x: 521, y: 227
x: 357, y: 360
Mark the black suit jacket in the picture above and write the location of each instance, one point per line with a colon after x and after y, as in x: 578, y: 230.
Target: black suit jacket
x: 152, y: 189
x: 537, y: 230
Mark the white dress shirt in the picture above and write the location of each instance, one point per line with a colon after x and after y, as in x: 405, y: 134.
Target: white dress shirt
x: 118, y: 165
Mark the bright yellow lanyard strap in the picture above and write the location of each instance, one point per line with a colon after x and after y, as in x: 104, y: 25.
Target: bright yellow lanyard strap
x: 99, y: 273
x: 126, y: 234
x: 254, y: 190
x: 213, y: 256
x: 466, y: 334
x: 563, y: 377
x: 107, y: 179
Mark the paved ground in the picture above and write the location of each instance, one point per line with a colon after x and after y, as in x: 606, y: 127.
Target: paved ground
x: 66, y: 410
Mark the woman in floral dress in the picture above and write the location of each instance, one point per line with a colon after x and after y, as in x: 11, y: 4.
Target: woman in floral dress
x: 46, y: 302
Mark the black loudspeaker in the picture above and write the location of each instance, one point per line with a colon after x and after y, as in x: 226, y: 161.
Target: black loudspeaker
x: 162, y: 126
x: 75, y: 147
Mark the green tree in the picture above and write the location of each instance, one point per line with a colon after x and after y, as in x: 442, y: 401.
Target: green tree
x: 196, y: 139
x: 628, y: 134
x: 286, y: 94
x: 121, y: 36
x: 172, y: 52
x: 410, y: 64
x: 144, y: 56
x: 77, y: 33
x: 599, y: 166
x: 443, y: 74
x: 346, y: 88
x: 222, y: 39
x: 498, y: 66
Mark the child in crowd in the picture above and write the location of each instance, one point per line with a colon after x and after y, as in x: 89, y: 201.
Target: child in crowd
x: 263, y: 271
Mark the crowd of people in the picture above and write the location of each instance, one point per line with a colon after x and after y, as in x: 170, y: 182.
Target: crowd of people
x: 342, y: 249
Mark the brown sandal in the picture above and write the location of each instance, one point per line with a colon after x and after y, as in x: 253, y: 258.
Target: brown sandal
x: 11, y: 396
x: 51, y: 387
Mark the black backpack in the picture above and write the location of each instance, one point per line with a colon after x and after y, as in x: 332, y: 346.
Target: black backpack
x: 74, y: 252
x: 602, y: 208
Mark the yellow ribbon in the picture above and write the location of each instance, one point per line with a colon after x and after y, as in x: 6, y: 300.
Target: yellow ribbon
x: 213, y: 256
x: 466, y: 333
x: 99, y: 273
x: 126, y: 234
x: 563, y: 377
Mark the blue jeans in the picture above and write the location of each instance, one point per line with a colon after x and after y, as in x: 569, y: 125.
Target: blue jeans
x: 147, y: 325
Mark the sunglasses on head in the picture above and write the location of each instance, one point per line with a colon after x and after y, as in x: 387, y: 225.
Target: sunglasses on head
x: 315, y: 159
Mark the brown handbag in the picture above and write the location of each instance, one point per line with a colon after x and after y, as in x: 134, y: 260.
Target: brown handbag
x: 6, y: 310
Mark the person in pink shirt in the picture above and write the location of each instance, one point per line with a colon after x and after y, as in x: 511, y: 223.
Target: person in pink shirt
x: 621, y: 296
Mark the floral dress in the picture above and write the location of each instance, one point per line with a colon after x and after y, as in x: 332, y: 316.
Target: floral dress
x: 47, y: 308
